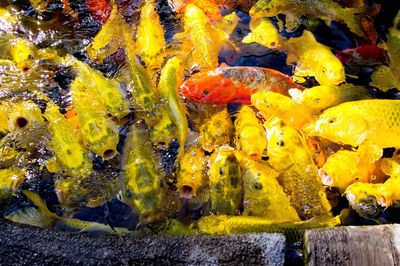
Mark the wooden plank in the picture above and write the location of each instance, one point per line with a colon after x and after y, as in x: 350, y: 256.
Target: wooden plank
x: 354, y: 245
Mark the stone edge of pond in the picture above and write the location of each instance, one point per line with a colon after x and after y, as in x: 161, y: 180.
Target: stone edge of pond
x: 347, y: 245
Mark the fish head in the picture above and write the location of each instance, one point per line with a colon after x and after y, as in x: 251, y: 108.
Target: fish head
x: 340, y: 126
x: 365, y: 199
x: 319, y: 97
x: 255, y: 187
x: 331, y: 72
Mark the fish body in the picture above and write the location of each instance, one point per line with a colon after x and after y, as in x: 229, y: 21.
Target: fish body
x: 201, y: 39
x: 224, y: 225
x: 235, y: 84
x: 263, y: 196
x: 108, y: 40
x: 264, y: 33
x: 369, y: 54
x: 355, y: 122
x: 250, y: 135
x: 99, y: 132
x: 216, y: 131
x: 10, y: 180
x: 314, y: 59
x: 288, y: 154
x: 106, y: 91
x: 142, y: 178
x: 274, y: 104
x: 192, y: 173
x: 225, y: 180
x: 170, y: 79
x: 23, y: 53
x: 211, y: 8
x: 319, y: 98
x: 150, y: 41
x: 326, y: 10
x: 69, y: 152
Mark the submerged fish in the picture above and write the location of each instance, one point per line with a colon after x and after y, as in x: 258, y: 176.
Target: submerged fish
x: 326, y: 10
x: 42, y: 217
x: 216, y: 131
x: 143, y: 179
x: 263, y: 196
x: 223, y: 225
x: 363, y: 55
x: 234, y: 84
x: 355, y: 122
x: 226, y: 182
x: 250, y: 135
x: 288, y: 154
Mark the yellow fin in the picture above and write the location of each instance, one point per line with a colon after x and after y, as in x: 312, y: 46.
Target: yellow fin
x: 390, y: 167
x: 382, y: 78
x: 369, y: 152
x: 30, y: 216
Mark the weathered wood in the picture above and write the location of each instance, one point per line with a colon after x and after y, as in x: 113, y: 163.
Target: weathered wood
x: 352, y: 245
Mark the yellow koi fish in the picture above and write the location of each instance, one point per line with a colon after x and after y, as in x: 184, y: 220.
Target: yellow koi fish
x: 263, y: 196
x: 69, y: 152
x: 250, y: 135
x: 216, y: 131
x: 142, y: 178
x: 355, y: 122
x: 226, y: 182
x: 99, y: 132
x: 22, y: 115
x: 314, y: 59
x: 192, y: 173
x: 264, y: 33
x: 288, y: 154
x: 170, y: 79
x: 150, y: 41
x: 201, y: 39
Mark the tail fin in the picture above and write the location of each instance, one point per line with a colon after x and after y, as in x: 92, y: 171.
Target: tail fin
x: 40, y: 217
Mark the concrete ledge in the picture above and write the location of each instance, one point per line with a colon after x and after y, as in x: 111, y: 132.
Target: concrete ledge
x: 24, y: 245
x: 354, y: 245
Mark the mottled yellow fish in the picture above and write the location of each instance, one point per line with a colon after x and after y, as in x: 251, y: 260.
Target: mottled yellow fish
x: 326, y: 10
x: 143, y: 179
x: 263, y: 196
x: 250, y: 135
x: 288, y: 154
x: 216, y: 131
x: 170, y: 79
x: 99, y: 132
x: 150, y: 41
x: 226, y: 182
x: 314, y: 59
x: 355, y: 122
x: 23, y: 53
x: 192, y: 173
x: 108, y: 40
x: 106, y: 91
x: 73, y: 158
x: 264, y: 33
x: 275, y: 104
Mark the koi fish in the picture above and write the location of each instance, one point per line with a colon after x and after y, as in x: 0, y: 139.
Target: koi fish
x: 264, y: 33
x: 352, y: 123
x: 363, y: 55
x: 235, y: 84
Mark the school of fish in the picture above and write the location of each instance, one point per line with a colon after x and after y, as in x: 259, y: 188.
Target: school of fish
x: 152, y: 115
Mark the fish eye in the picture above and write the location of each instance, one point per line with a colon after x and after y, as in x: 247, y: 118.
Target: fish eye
x: 331, y: 120
x: 258, y: 185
